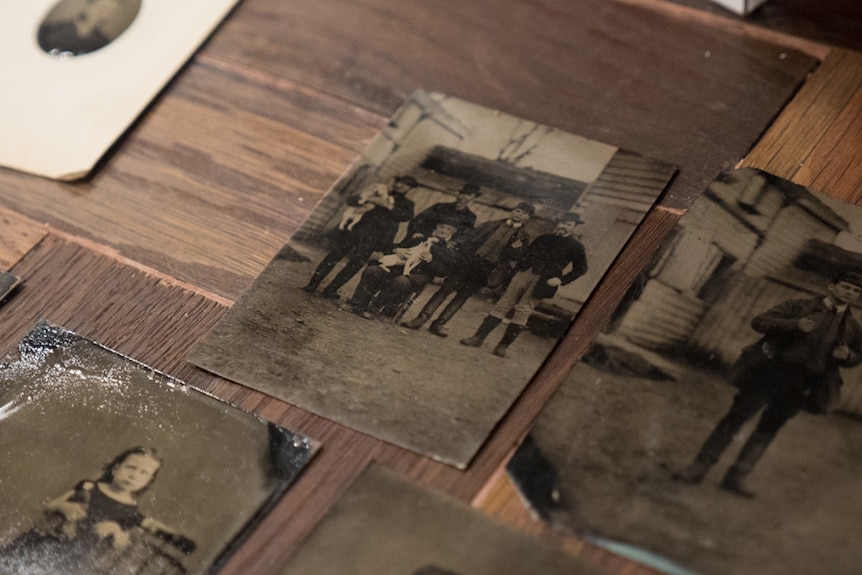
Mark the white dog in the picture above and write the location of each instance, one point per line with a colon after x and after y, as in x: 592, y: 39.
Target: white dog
x: 353, y: 214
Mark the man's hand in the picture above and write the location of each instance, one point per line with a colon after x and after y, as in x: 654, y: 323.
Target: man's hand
x: 555, y: 282
x: 805, y: 324
x: 841, y: 352
x: 517, y: 244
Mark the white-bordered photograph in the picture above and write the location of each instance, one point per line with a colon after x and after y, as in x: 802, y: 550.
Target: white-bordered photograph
x: 385, y: 525
x: 109, y: 467
x: 79, y: 72
x: 717, y: 419
x: 433, y: 279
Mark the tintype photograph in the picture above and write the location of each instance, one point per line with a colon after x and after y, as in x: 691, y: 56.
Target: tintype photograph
x: 109, y: 467
x: 433, y: 279
x: 717, y: 420
x: 385, y: 525
x: 84, y: 70
x: 75, y: 27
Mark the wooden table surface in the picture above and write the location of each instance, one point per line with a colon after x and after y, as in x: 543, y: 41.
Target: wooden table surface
x: 146, y: 254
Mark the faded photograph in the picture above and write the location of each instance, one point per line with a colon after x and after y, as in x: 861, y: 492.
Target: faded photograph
x: 75, y: 27
x: 109, y: 467
x: 431, y: 282
x: 385, y: 525
x: 716, y: 420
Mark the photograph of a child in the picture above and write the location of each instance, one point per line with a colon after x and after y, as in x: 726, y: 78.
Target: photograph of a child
x: 108, y: 467
x: 716, y: 419
x: 97, y: 527
x: 428, y: 286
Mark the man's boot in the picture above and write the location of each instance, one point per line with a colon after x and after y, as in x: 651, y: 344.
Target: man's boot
x: 427, y: 310
x: 438, y: 328
x: 695, y: 472
x: 511, y: 334
x: 751, y: 453
x: 313, y: 283
x: 417, y: 321
x: 486, y: 327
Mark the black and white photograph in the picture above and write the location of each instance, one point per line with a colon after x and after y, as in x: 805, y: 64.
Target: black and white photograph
x: 386, y: 525
x: 84, y: 70
x: 717, y: 420
x: 75, y: 27
x: 109, y: 467
x: 433, y: 279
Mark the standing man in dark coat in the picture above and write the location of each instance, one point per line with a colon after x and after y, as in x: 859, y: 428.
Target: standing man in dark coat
x: 457, y: 212
x: 540, y: 273
x: 794, y: 366
x: 374, y: 232
x: 492, y: 246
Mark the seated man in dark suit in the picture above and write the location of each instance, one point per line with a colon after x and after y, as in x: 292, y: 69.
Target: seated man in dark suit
x: 411, y: 265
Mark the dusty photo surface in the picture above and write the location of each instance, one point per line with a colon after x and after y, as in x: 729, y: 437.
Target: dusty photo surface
x: 385, y: 525
x: 716, y: 421
x: 337, y: 326
x: 109, y: 467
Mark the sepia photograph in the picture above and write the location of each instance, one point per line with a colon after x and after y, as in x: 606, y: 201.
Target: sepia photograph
x: 386, y: 525
x: 717, y: 420
x: 110, y: 467
x: 75, y: 27
x: 84, y: 70
x: 433, y: 279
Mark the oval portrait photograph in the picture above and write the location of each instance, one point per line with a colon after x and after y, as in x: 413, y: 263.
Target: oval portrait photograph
x: 75, y: 27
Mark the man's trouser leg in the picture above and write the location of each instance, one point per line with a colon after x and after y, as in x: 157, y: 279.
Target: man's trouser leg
x: 774, y: 417
x: 350, y: 269
x: 432, y: 304
x: 323, y: 268
x: 372, y: 279
x: 745, y: 405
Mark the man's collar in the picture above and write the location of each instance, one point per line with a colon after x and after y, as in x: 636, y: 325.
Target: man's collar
x: 512, y: 224
x: 827, y: 301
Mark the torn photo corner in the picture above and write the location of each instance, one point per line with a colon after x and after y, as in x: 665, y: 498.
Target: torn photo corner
x: 715, y: 420
x: 108, y: 466
x: 435, y: 277
x: 79, y: 72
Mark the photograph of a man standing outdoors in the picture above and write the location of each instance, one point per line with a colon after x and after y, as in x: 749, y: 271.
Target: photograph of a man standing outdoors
x: 717, y: 418
x: 453, y: 213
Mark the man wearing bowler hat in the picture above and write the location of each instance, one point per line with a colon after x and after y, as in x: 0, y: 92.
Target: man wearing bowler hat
x: 491, y: 250
x: 794, y: 366
x: 540, y: 273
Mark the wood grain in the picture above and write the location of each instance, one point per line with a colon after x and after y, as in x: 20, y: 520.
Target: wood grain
x: 212, y: 181
x: 817, y: 139
x: 192, y: 203
x: 142, y: 316
x: 814, y: 142
x: 693, y: 95
x: 19, y: 234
